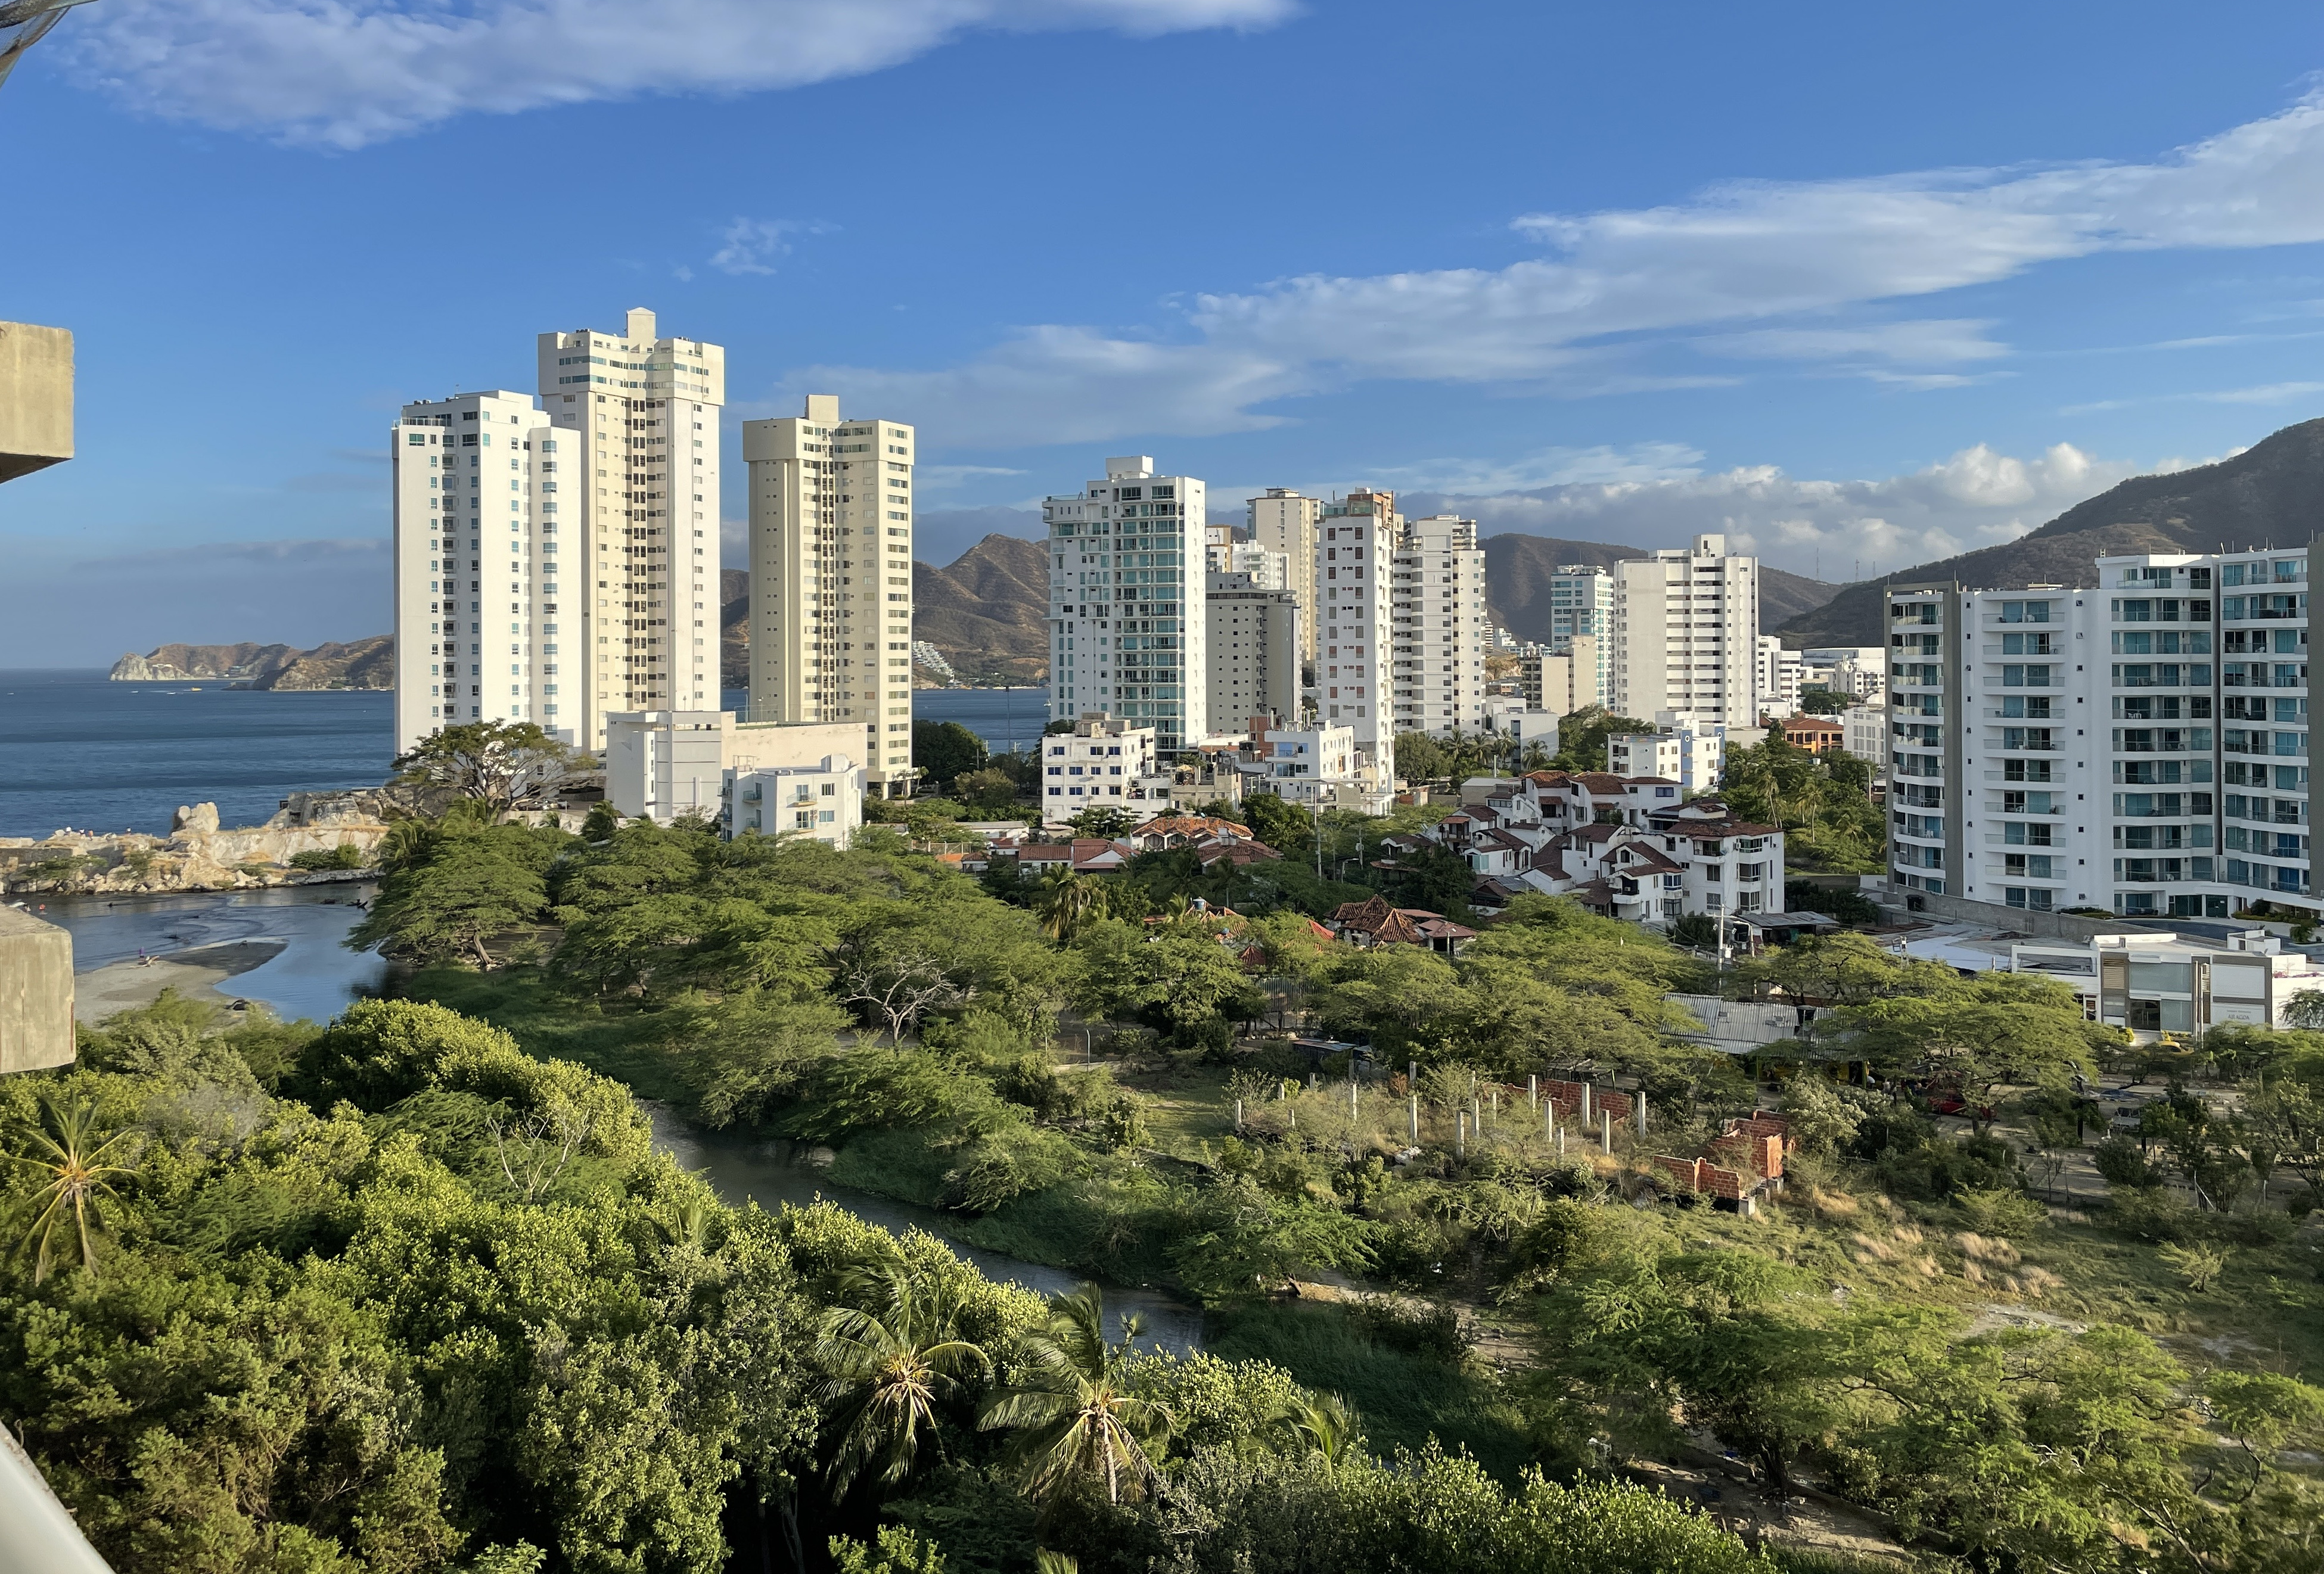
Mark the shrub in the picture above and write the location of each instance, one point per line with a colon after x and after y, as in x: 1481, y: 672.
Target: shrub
x: 2122, y: 1163
x: 2001, y: 1212
x: 346, y: 855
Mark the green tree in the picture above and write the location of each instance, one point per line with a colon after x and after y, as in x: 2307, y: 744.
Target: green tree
x: 1105, y: 820
x: 1287, y: 827
x: 77, y: 1160
x: 500, y: 764
x: 449, y: 907
x: 1432, y: 877
x: 1997, y: 1028
x: 891, y: 1355
x: 946, y: 749
x: 1175, y: 981
x: 1072, y: 1410
x: 987, y: 791
x: 1067, y: 903
x: 1582, y: 736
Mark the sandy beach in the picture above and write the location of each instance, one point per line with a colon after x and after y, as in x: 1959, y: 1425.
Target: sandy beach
x: 194, y: 974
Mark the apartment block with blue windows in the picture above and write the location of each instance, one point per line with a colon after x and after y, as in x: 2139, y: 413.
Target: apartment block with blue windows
x: 2138, y: 747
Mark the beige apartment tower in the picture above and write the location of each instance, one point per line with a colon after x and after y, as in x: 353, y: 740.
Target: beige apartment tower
x: 831, y: 579
x: 1284, y: 521
x: 638, y: 513
x: 1687, y: 632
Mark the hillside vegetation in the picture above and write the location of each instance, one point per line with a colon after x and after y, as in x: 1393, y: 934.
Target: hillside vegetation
x: 432, y: 1294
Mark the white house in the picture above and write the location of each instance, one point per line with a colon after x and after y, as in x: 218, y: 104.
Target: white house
x: 1098, y: 762
x: 822, y: 801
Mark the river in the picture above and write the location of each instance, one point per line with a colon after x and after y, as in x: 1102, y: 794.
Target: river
x: 314, y: 975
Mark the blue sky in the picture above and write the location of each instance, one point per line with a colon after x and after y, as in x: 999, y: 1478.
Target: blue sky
x: 1861, y: 288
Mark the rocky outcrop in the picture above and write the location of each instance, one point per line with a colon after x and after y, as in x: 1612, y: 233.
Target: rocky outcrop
x: 199, y: 817
x: 363, y: 664
x: 197, y: 855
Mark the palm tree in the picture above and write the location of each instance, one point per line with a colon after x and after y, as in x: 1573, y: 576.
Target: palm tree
x: 76, y: 1156
x: 888, y: 1361
x: 1072, y: 1413
x: 1322, y: 1424
x: 1065, y: 902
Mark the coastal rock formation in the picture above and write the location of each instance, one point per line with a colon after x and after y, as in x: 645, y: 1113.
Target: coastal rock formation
x: 197, y: 855
x: 363, y: 664
x: 200, y: 817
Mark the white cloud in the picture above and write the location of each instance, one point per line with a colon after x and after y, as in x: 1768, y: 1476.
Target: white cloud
x: 752, y: 245
x: 1835, y: 529
x: 2267, y: 393
x: 345, y: 73
x: 1746, y: 271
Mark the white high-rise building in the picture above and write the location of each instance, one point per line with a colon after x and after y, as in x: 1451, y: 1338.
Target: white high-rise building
x: 1581, y: 606
x: 831, y: 579
x: 1440, y: 627
x: 1354, y: 679
x: 1267, y: 568
x: 1127, y: 625
x: 1287, y: 522
x: 638, y: 506
x: 1779, y: 675
x: 1686, y: 629
x: 479, y: 545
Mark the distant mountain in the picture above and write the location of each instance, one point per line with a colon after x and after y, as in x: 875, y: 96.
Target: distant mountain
x: 2272, y: 494
x: 986, y: 613
x: 363, y: 664
x: 1518, y: 567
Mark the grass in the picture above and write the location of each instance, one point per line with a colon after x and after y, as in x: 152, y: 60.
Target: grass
x: 1406, y: 1397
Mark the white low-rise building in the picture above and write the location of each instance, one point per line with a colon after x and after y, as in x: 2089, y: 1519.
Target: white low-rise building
x: 823, y: 802
x: 1100, y: 761
x: 665, y: 765
x: 1686, y: 748
x: 2151, y: 984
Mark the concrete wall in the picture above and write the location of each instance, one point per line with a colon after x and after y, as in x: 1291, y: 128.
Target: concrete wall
x: 36, y: 993
x: 36, y: 398
x: 2048, y: 925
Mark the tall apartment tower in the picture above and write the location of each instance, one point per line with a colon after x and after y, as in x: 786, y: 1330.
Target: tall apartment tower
x: 1686, y: 630
x: 1128, y: 631
x: 641, y: 512
x: 1440, y: 626
x: 1284, y: 521
x: 1355, y: 676
x: 2141, y: 746
x: 1253, y: 649
x: 831, y: 579
x: 479, y: 544
x: 1581, y: 605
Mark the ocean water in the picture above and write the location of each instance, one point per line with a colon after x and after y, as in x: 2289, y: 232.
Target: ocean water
x: 78, y: 749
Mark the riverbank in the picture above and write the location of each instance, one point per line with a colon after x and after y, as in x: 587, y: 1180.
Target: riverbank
x: 196, y: 975
x: 281, y: 949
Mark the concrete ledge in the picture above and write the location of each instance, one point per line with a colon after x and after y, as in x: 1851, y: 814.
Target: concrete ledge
x: 36, y: 398
x: 36, y: 993
x: 2025, y: 920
